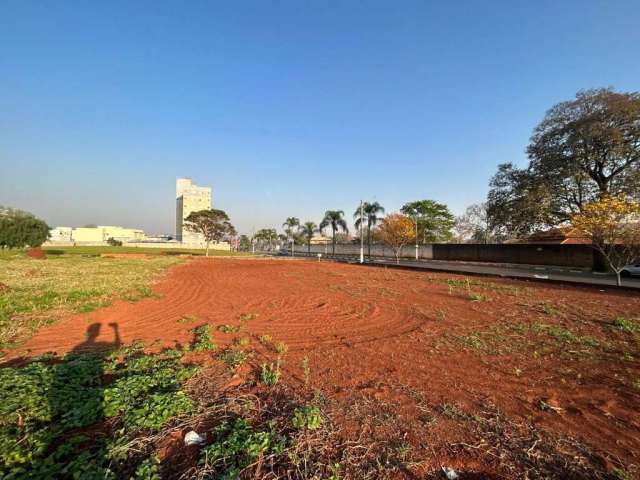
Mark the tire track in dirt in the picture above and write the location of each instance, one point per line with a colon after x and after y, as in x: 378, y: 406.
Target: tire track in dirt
x: 218, y: 291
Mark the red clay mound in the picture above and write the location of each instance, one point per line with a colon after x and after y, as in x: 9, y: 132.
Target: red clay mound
x: 36, y: 252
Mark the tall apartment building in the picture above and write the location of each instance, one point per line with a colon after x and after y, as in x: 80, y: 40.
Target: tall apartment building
x: 189, y: 198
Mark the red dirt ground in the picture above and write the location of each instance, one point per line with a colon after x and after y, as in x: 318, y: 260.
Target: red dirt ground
x: 547, y: 355
x: 36, y: 253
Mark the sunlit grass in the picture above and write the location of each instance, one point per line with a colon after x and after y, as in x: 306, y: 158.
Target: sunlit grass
x: 39, y: 292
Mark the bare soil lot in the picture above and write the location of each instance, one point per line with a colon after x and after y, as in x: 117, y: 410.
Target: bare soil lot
x: 496, y: 379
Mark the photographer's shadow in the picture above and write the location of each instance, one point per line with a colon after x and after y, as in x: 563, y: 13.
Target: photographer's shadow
x: 91, y: 345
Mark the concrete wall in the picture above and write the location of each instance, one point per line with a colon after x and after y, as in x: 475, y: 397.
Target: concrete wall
x: 578, y: 256
x: 409, y: 251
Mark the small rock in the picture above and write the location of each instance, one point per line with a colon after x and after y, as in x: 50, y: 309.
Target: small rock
x: 193, y: 438
x: 450, y: 473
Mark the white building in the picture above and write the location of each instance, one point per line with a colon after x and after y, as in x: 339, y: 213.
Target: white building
x: 190, y: 198
x: 60, y: 234
x: 94, y: 235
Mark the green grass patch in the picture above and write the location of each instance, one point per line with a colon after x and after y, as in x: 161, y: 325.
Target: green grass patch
x: 625, y: 324
x: 39, y: 292
x: 467, y: 283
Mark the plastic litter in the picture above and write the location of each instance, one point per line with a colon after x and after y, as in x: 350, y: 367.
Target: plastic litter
x: 193, y: 438
x: 450, y: 473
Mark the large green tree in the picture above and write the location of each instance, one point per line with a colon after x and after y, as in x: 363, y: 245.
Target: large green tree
x: 20, y: 229
x: 214, y: 225
x: 582, y: 150
x: 434, y: 220
x: 370, y: 215
x: 335, y: 220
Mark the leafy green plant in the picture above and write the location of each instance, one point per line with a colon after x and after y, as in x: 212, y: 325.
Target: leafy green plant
x: 308, y: 417
x: 42, y: 402
x: 335, y: 471
x: 203, y: 339
x: 270, y: 374
x: 242, y: 341
x: 236, y: 445
x: 245, y: 317
x: 149, y: 469
x: 265, y: 339
x: 233, y: 358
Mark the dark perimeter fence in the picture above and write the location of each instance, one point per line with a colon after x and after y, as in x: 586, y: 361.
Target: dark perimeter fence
x: 575, y: 256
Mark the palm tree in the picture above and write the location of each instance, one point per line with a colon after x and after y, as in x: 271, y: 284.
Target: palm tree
x: 307, y: 230
x: 370, y: 212
x: 290, y: 226
x: 334, y: 219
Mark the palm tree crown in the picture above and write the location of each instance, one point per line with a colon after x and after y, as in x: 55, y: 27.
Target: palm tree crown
x: 289, y: 225
x: 334, y: 219
x: 307, y: 230
x: 370, y: 214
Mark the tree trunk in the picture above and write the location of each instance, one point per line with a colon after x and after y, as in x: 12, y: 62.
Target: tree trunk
x: 369, y: 241
x: 206, y: 252
x: 397, y: 252
x: 309, y: 248
x: 618, y: 279
x: 333, y: 246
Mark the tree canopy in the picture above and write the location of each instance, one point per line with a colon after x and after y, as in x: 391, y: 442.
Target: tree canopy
x: 613, y: 224
x: 473, y: 225
x: 582, y: 150
x: 335, y: 220
x: 308, y: 230
x: 370, y: 216
x: 214, y: 225
x: 20, y: 229
x: 396, y: 230
x: 434, y: 219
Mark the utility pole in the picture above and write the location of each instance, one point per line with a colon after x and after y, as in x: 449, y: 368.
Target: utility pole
x: 361, y: 235
x: 417, y: 248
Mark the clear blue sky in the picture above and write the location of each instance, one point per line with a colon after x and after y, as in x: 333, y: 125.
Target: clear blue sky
x: 285, y: 108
